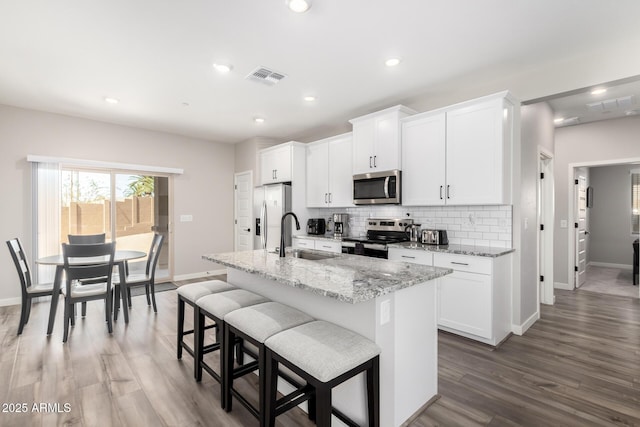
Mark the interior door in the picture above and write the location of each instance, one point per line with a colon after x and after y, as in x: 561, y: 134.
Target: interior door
x: 581, y: 228
x: 243, y: 211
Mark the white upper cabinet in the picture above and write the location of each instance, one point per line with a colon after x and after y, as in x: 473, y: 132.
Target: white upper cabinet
x: 329, y: 175
x: 460, y: 155
x: 376, y: 140
x: 276, y: 163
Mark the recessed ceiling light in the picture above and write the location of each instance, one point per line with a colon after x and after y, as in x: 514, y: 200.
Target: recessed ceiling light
x: 185, y: 104
x: 110, y: 100
x: 258, y: 119
x: 392, y: 62
x: 299, y: 6
x: 598, y: 91
x: 309, y: 98
x: 223, y: 68
x: 558, y: 120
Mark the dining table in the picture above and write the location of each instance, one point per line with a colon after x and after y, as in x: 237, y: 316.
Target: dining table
x: 120, y: 258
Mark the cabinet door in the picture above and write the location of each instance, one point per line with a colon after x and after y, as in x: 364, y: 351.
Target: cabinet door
x: 475, y: 161
x: 340, y: 172
x: 464, y: 303
x: 423, y: 161
x: 386, y: 155
x: 363, y: 146
x: 275, y: 165
x: 318, y: 175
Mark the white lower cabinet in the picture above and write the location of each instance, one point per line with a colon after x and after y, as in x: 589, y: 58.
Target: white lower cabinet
x: 326, y: 245
x: 474, y: 301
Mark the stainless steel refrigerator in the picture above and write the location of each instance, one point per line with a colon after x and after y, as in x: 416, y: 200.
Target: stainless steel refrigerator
x: 270, y: 202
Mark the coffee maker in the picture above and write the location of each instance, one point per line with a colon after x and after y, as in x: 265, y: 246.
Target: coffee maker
x: 340, y: 225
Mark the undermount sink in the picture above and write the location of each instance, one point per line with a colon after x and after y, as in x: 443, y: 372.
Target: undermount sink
x: 311, y: 255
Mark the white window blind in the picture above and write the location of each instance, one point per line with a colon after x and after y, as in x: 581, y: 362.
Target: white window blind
x: 635, y: 201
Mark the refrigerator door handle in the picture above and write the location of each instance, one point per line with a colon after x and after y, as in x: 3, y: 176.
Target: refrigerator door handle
x: 263, y: 220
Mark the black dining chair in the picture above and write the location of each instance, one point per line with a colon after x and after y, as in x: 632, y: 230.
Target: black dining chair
x: 85, y: 239
x: 139, y: 279
x: 80, y: 264
x: 29, y: 289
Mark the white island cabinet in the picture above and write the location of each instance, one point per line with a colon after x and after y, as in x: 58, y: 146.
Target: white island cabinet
x: 390, y: 303
x: 317, y: 243
x: 376, y: 140
x: 460, y: 155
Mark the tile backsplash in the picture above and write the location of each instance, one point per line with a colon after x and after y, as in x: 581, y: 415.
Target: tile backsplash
x: 466, y: 225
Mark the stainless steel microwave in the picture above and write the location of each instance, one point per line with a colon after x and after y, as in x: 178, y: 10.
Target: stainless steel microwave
x: 377, y: 188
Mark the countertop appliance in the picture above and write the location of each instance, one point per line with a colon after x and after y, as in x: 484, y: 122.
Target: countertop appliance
x: 316, y: 226
x: 272, y: 201
x: 435, y: 237
x: 413, y: 232
x: 380, y: 233
x: 377, y: 188
x: 340, y: 224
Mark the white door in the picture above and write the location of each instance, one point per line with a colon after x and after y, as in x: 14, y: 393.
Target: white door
x: 581, y: 229
x: 243, y: 211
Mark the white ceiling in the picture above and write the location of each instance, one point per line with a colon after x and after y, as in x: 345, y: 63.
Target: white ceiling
x: 156, y: 57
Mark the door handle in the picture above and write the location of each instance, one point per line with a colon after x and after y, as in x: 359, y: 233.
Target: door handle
x: 330, y: 197
x: 248, y: 230
x: 374, y: 161
x: 386, y: 187
x: 441, y: 192
x: 370, y: 162
x: 326, y: 200
x: 263, y: 220
x: 448, y: 195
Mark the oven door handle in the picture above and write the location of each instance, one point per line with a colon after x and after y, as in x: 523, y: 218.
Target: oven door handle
x: 386, y: 187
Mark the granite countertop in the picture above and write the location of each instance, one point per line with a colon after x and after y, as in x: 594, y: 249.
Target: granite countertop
x: 485, y: 251
x: 348, y: 278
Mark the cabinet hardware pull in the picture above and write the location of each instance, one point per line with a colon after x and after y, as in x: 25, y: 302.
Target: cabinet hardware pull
x: 441, y: 192
x: 448, y: 196
x: 459, y: 263
x: 407, y: 256
x: 325, y: 246
x: 370, y: 162
x: 374, y: 161
x: 325, y: 197
x: 330, y: 194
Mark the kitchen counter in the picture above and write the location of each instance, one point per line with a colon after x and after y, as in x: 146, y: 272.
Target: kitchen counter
x: 348, y: 278
x: 485, y: 251
x: 391, y: 303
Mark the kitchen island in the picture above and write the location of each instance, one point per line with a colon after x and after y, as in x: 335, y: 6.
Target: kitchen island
x: 391, y: 303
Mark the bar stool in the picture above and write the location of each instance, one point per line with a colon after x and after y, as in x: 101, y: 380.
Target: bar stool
x: 216, y: 307
x: 189, y: 294
x: 255, y: 324
x: 324, y: 355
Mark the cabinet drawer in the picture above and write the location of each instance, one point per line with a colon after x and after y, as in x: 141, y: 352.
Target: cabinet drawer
x: 415, y: 256
x: 303, y: 243
x: 468, y: 263
x: 329, y: 246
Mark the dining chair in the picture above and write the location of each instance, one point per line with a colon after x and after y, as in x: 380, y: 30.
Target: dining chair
x: 84, y: 239
x: 139, y: 279
x: 80, y: 263
x: 29, y: 289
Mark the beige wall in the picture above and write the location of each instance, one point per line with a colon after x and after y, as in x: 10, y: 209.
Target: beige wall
x: 587, y: 144
x: 246, y: 153
x: 205, y: 190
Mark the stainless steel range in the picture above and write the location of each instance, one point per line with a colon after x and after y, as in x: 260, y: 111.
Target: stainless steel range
x: 380, y: 233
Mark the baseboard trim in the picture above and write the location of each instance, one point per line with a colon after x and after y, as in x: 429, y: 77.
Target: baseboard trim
x: 611, y: 265
x: 10, y: 301
x: 521, y: 329
x: 190, y: 276
x: 565, y: 286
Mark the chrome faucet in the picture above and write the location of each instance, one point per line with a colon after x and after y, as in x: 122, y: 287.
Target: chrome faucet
x: 282, y: 230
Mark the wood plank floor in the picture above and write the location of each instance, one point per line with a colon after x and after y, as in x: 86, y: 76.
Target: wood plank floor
x: 579, y: 365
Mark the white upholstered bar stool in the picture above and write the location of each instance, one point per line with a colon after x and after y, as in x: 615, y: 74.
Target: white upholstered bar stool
x: 189, y: 294
x: 216, y: 307
x: 255, y: 324
x: 324, y: 355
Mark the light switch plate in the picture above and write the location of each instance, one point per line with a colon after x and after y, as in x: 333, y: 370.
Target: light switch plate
x: 186, y: 218
x: 563, y: 223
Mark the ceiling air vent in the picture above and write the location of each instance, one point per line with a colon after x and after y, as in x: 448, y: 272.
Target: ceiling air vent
x: 265, y: 76
x: 611, y: 104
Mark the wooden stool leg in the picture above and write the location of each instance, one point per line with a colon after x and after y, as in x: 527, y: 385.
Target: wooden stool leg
x: 198, y: 342
x: 180, y: 326
x: 323, y: 406
x: 226, y: 366
x: 271, y: 389
x: 373, y: 393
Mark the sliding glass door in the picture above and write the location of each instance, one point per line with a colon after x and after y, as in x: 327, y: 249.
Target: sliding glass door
x: 126, y: 206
